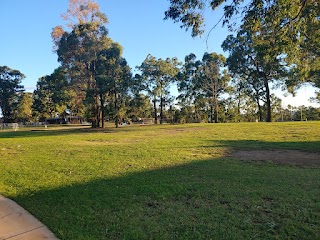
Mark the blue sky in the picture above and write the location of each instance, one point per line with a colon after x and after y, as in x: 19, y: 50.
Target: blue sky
x: 26, y: 44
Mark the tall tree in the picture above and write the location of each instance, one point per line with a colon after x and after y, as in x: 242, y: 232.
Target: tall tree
x: 10, y: 87
x: 253, y: 58
x: 52, y: 95
x: 292, y: 26
x: 24, y: 107
x: 140, y: 107
x: 78, y: 49
x: 204, y: 79
x: 113, y: 79
x: 187, y: 78
x: 212, y: 82
x: 157, y: 76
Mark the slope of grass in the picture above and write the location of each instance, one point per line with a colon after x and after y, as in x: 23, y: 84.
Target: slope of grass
x: 164, y: 182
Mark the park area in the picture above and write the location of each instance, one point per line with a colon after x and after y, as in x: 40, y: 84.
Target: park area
x: 192, y: 181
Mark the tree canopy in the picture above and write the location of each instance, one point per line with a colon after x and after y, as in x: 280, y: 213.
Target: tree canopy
x: 10, y: 87
x: 292, y: 28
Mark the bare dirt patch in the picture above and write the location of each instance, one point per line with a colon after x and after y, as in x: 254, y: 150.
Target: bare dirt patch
x: 291, y: 157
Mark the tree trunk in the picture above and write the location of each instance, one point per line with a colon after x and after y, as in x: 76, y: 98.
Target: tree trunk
x: 161, y: 110
x: 116, y: 109
x: 266, y: 85
x: 155, y: 111
x: 92, y: 88
x: 259, y: 110
x: 238, y: 107
x: 102, y: 110
x: 98, y: 115
x: 216, y: 109
x: 211, y: 112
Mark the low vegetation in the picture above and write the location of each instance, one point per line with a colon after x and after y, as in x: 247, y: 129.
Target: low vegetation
x: 165, y: 182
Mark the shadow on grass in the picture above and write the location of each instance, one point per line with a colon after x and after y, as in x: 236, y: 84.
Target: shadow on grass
x: 42, y: 132
x: 64, y: 130
x: 308, y: 146
x: 212, y: 199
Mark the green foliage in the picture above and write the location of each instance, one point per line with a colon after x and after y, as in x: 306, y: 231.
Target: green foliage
x: 139, y: 107
x: 113, y: 81
x: 23, y: 112
x: 78, y: 52
x: 288, y: 29
x: 10, y: 87
x: 52, y: 95
x: 93, y: 61
x: 253, y: 60
x: 156, y: 77
x: 203, y: 81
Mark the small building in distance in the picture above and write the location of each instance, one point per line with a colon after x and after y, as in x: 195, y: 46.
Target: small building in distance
x: 65, y: 120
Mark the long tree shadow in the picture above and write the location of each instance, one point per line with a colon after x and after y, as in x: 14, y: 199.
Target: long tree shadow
x: 42, y: 132
x: 211, y: 199
x: 65, y: 130
x: 308, y: 146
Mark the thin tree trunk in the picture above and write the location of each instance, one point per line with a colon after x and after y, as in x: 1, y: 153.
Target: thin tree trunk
x: 116, y: 109
x: 161, y: 110
x: 91, y: 87
x: 238, y: 107
x: 211, y: 112
x: 266, y: 84
x: 102, y: 110
x: 259, y: 110
x: 155, y: 111
x: 216, y: 109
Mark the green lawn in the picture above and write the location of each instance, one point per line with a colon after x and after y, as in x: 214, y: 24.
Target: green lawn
x: 164, y: 182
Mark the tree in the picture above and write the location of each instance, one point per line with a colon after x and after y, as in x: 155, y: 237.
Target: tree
x: 292, y: 26
x: 204, y: 79
x: 78, y: 49
x: 187, y: 78
x: 276, y: 108
x: 139, y: 107
x: 24, y: 107
x: 10, y: 87
x: 238, y: 98
x: 157, y: 76
x: 113, y: 78
x: 212, y: 82
x: 52, y: 95
x: 253, y: 59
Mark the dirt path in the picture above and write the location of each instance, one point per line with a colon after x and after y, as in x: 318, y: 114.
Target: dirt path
x: 292, y: 157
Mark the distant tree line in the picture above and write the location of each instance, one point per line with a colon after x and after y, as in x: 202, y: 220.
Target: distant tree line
x: 95, y: 82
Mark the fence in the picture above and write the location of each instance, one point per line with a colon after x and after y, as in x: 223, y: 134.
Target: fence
x: 16, y: 126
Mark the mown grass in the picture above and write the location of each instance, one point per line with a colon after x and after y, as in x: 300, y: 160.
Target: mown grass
x: 164, y: 182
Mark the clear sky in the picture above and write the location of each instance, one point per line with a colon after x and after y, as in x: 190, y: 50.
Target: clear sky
x: 138, y: 25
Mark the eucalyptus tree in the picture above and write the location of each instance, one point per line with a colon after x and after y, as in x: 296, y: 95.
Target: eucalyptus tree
x: 139, y: 107
x: 23, y: 111
x: 205, y: 79
x: 78, y: 49
x: 292, y: 26
x: 251, y: 57
x: 187, y: 78
x: 113, y: 80
x: 157, y: 75
x: 237, y: 99
x: 10, y: 87
x: 212, y: 81
x: 51, y: 96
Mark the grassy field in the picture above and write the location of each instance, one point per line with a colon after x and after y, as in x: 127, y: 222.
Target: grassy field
x: 165, y: 182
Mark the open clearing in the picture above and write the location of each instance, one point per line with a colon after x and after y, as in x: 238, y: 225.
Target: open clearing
x: 193, y: 181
